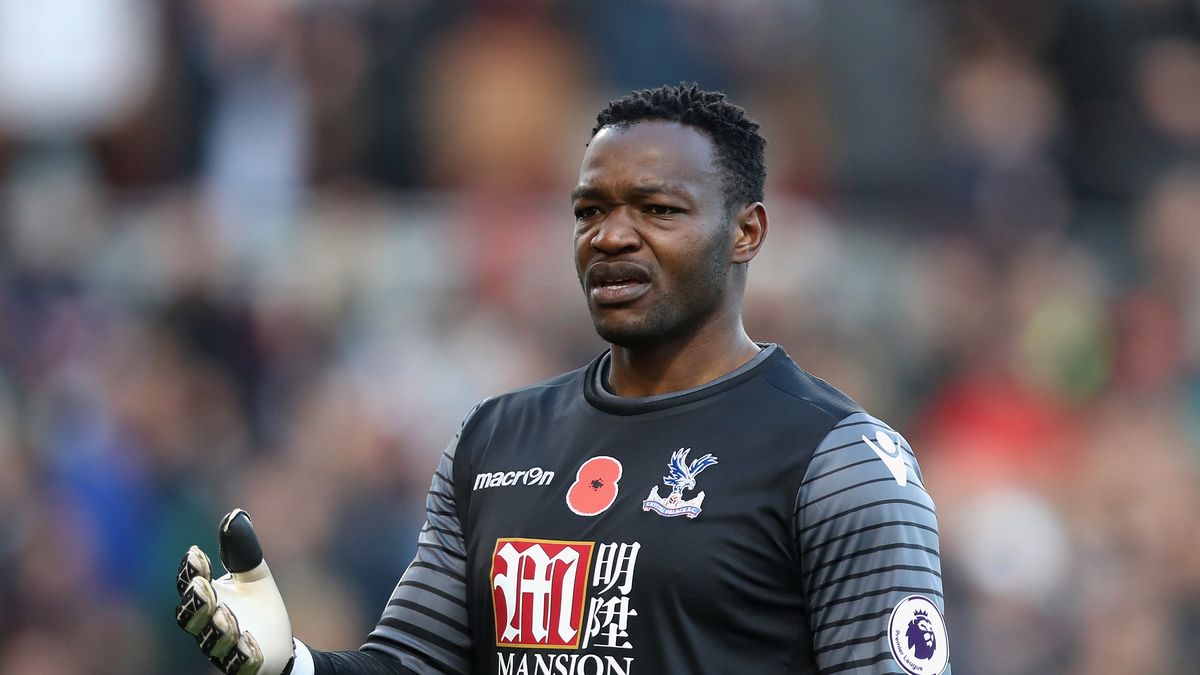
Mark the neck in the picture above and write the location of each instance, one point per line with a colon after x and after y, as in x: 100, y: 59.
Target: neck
x: 681, y: 364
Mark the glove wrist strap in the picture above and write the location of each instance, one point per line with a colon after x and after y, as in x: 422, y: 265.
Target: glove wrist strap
x: 302, y: 662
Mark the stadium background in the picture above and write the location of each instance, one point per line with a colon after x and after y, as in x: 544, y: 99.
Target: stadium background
x: 269, y: 252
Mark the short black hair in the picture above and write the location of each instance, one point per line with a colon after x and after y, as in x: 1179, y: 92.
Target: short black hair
x: 740, y: 148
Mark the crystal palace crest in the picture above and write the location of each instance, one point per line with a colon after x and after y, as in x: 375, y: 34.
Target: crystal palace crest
x: 681, y: 477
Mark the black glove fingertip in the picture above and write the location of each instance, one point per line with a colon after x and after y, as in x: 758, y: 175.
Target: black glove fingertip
x: 240, y: 550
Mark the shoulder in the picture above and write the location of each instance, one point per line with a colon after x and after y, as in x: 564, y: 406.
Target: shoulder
x: 862, y: 463
x: 860, y: 439
x: 541, y: 398
x: 507, y: 414
x: 810, y: 391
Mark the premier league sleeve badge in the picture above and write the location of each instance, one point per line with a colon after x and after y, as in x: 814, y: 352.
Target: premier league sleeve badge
x: 917, y: 636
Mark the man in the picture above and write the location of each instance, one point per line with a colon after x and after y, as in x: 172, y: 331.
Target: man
x: 690, y: 502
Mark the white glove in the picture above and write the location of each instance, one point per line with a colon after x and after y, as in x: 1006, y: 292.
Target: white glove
x: 239, y: 620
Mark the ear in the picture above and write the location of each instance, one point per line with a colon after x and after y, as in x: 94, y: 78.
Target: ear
x: 750, y: 230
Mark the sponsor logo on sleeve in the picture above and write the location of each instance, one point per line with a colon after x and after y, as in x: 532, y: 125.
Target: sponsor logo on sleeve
x: 917, y: 636
x: 892, y: 455
x: 681, y: 476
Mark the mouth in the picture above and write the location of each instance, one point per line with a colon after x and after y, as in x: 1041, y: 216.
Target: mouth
x: 616, y: 283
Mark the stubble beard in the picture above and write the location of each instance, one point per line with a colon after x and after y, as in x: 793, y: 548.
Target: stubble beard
x: 694, y: 298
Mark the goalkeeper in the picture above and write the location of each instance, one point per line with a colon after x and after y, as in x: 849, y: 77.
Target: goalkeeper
x: 691, y: 501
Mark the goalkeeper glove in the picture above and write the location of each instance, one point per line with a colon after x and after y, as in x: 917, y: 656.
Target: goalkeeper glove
x: 239, y: 620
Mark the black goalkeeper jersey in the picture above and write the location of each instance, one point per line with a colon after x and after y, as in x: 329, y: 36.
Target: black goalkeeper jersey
x: 762, y: 523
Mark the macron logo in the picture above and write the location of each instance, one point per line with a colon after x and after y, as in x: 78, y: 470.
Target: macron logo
x: 892, y: 456
x: 534, y: 476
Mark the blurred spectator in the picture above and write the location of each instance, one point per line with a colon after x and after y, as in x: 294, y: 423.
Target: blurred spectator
x: 67, y: 70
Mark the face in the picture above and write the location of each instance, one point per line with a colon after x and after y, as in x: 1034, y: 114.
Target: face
x: 653, y: 238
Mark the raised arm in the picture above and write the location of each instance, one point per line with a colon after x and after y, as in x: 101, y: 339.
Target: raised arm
x: 425, y: 623
x: 241, y: 624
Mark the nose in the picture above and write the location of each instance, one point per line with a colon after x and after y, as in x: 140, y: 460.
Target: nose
x: 617, y: 233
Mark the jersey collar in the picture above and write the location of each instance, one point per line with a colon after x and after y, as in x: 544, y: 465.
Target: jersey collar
x: 595, y: 385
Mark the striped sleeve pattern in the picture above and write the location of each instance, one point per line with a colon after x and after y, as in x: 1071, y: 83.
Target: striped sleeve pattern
x: 866, y: 543
x: 424, y: 625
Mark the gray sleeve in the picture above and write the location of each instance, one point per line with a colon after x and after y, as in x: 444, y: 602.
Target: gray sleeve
x: 424, y: 625
x: 868, y: 538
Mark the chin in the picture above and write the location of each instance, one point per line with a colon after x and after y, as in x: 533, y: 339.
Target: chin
x: 625, y: 336
x: 626, y: 333
x: 641, y: 332
x: 648, y: 325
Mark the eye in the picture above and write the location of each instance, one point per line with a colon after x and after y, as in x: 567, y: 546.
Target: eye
x: 585, y: 212
x: 661, y: 210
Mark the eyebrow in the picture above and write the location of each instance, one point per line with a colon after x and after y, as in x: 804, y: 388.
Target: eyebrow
x: 582, y: 192
x: 644, y: 189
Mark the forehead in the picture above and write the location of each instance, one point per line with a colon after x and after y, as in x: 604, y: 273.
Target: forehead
x: 651, y: 151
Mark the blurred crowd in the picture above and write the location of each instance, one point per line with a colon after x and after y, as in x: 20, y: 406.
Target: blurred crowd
x: 267, y: 253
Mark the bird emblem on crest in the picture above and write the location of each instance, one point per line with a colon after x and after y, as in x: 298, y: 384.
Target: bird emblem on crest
x: 681, y: 476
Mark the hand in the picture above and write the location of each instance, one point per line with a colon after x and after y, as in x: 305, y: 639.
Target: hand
x: 239, y: 620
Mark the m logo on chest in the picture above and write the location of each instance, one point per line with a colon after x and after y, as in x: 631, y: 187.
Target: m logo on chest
x: 538, y: 589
